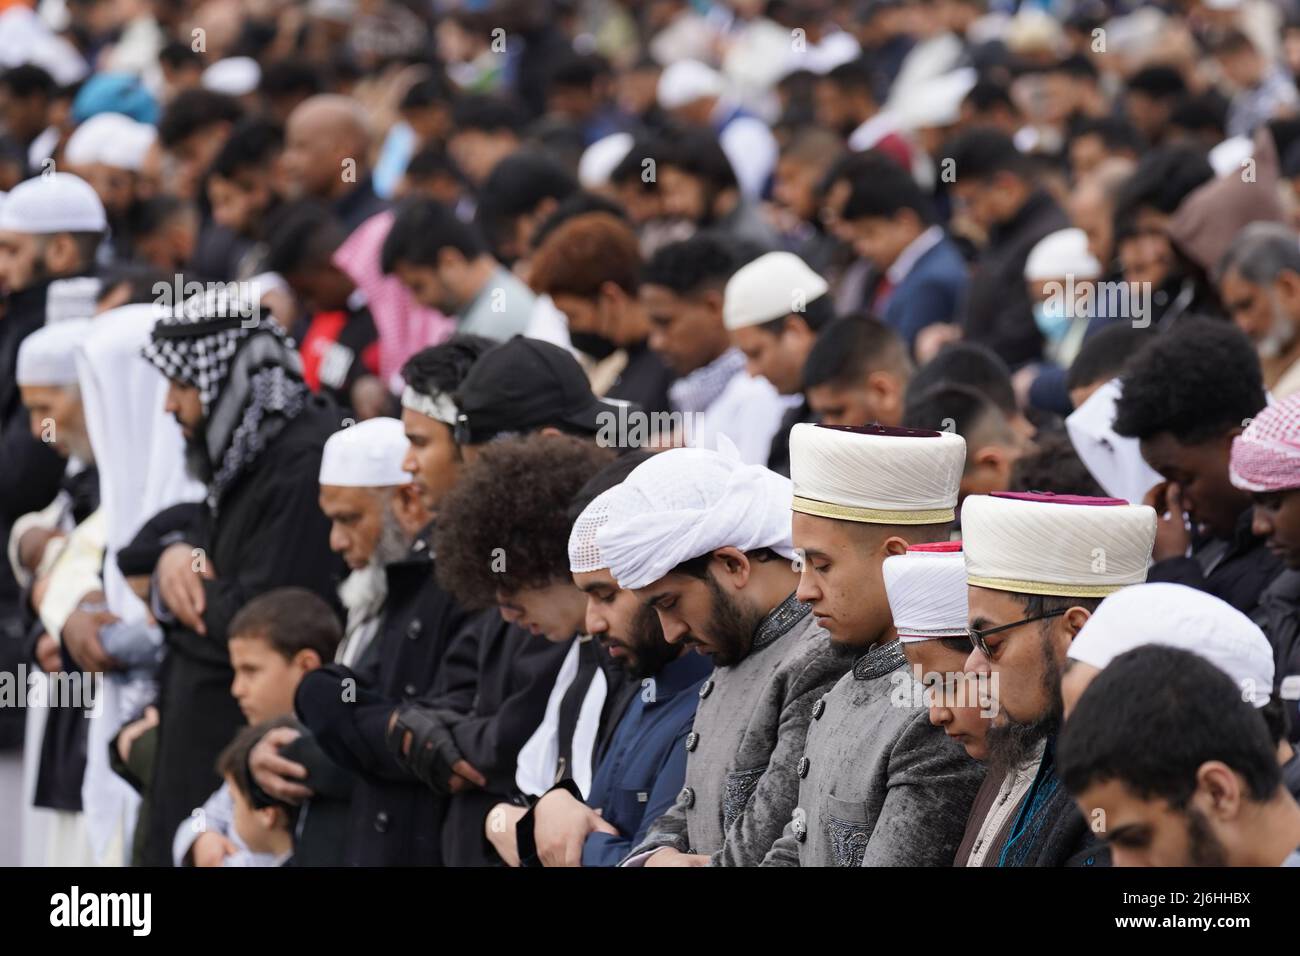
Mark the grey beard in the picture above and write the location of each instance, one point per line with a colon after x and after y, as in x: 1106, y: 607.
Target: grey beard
x: 363, y: 592
x: 393, y: 543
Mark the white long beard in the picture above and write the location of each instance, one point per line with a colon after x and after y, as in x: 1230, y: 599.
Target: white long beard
x: 363, y: 593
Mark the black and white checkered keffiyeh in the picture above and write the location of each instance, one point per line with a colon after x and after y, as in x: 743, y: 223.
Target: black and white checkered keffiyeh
x: 195, y: 342
x: 246, y: 369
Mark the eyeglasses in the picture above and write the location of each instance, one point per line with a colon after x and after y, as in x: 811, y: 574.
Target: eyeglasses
x: 979, y: 636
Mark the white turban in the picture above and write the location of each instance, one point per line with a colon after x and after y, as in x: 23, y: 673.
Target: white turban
x: 49, y: 355
x: 896, y: 476
x: 112, y: 139
x: 771, y: 287
x: 234, y: 76
x: 368, y: 454
x: 584, y: 553
x: 601, y: 158
x: 1174, y: 615
x: 685, y: 503
x: 1066, y: 545
x: 687, y: 81
x: 926, y: 588
x: 59, y: 202
x: 1060, y: 254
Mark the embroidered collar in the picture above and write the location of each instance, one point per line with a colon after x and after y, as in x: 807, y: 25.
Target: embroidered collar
x: 879, y: 661
x: 779, y: 621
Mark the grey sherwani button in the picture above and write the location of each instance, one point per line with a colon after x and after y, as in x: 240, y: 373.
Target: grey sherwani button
x: 686, y: 797
x: 692, y: 741
x: 819, y: 708
x: 706, y: 688
x: 803, y: 767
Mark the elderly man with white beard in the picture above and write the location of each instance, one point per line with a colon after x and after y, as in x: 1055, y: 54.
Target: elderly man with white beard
x: 375, y: 513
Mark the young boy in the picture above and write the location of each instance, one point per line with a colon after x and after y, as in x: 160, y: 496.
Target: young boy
x: 274, y: 640
x: 266, y: 831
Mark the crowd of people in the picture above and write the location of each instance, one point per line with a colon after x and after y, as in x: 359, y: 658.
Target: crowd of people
x: 664, y: 433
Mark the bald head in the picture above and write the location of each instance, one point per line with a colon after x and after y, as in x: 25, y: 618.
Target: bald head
x: 326, y: 148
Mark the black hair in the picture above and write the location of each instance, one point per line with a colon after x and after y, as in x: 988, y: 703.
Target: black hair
x: 698, y: 153
x: 578, y: 204
x: 516, y: 186
x: 986, y: 95
x: 150, y: 215
x: 879, y: 187
x: 512, y: 502
x: 699, y: 567
x: 290, y: 620
x: 432, y: 161
x: 851, y: 346
x: 28, y: 80
x: 421, y: 229
x: 613, y: 474
x: 1158, y: 82
x: 232, y: 762
x: 488, y: 114
x: 981, y: 152
x: 442, y: 368
x: 179, y: 53
x: 431, y: 91
x: 579, y: 70
x: 1163, y: 179
x: 1053, y: 465
x: 193, y: 110
x: 254, y: 142
x: 858, y: 76
x: 1196, y: 384
x: 1153, y: 717
x: 968, y: 363
x: 705, y: 260
x: 1203, y: 112
x: 1114, y: 132
x: 631, y: 168
x: 1078, y: 66
x: 291, y: 78
x: 958, y: 408
x: 302, y: 236
x: 1103, y: 354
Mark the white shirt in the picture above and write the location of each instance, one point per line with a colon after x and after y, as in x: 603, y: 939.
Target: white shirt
x: 535, y: 768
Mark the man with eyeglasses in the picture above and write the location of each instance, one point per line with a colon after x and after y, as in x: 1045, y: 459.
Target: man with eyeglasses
x: 1037, y: 566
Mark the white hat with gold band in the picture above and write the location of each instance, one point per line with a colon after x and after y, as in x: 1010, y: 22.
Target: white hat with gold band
x: 875, y: 474
x: 1065, y: 545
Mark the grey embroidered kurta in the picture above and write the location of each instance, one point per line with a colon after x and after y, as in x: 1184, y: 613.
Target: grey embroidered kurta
x: 878, y: 784
x: 748, y: 734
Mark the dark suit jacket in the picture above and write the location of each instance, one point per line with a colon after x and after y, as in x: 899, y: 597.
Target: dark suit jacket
x: 931, y: 292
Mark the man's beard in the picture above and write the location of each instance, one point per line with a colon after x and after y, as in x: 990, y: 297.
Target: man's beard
x: 366, y: 589
x: 197, y: 463
x: 731, y: 626
x: 1280, y: 334
x: 647, y: 650
x: 1011, y: 744
x: 1203, y: 849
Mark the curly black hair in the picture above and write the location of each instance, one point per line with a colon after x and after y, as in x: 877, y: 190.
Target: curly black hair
x: 505, y: 525
x: 441, y: 368
x: 1196, y: 381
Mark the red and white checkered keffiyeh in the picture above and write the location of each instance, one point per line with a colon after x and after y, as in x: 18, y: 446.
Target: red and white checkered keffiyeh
x: 405, y: 327
x: 1266, y: 456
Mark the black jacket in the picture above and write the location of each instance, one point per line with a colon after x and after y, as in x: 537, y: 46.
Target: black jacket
x: 1278, y: 615
x: 998, y: 312
x: 499, y: 677
x: 1236, y: 571
x: 270, y: 533
x: 395, y: 820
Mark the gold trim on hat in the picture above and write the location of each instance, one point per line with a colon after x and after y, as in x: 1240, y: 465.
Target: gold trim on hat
x: 1050, y: 590
x: 823, y: 509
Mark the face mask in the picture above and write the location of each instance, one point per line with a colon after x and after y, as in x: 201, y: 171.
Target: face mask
x: 1052, y: 321
x: 589, y: 343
